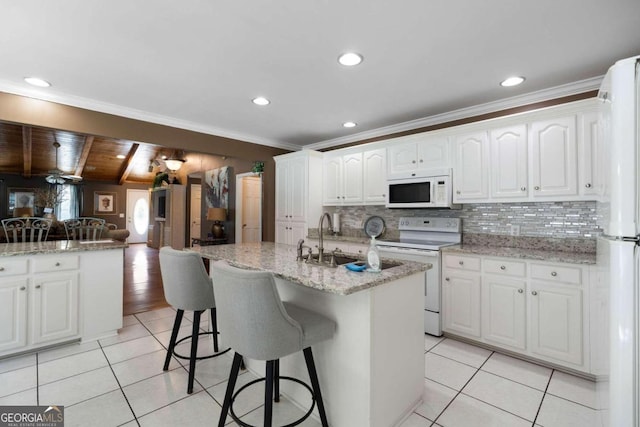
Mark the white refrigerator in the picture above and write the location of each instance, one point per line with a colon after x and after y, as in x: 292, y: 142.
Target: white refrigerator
x: 618, y: 252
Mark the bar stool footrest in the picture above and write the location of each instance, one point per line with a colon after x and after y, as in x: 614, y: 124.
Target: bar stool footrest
x: 250, y: 383
x: 180, y: 356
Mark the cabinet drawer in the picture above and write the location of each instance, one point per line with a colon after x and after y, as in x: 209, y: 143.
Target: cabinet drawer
x: 12, y: 267
x: 505, y: 268
x: 467, y: 263
x: 555, y: 273
x: 48, y: 264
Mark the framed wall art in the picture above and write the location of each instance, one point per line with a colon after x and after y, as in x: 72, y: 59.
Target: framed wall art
x: 22, y: 198
x: 104, y: 203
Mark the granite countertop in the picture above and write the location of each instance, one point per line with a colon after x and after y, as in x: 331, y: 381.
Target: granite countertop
x: 58, y: 246
x: 280, y: 260
x: 524, y: 253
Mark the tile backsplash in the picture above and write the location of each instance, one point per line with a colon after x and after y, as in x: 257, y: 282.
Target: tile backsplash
x: 546, y: 219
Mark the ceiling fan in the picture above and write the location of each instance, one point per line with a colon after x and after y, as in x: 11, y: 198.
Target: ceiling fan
x: 57, y: 176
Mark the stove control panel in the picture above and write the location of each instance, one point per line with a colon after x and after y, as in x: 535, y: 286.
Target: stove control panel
x: 453, y: 225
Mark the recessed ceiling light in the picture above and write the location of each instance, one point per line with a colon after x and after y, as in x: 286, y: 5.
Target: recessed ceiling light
x: 120, y: 156
x: 512, y: 81
x: 261, y: 101
x: 350, y: 59
x: 349, y: 124
x: 35, y: 81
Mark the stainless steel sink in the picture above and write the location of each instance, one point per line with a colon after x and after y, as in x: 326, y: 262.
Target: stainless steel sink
x: 345, y: 259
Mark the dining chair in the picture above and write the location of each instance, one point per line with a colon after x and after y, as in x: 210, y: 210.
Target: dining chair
x: 26, y: 229
x: 84, y: 228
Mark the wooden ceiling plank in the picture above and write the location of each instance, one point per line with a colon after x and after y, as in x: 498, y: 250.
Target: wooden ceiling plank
x: 26, y: 150
x: 128, y: 164
x: 86, y: 148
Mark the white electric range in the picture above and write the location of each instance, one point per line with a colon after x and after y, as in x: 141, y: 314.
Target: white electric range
x: 421, y: 239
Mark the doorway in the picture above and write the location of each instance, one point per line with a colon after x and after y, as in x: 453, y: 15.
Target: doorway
x: 195, y: 211
x: 137, y: 215
x: 248, y: 208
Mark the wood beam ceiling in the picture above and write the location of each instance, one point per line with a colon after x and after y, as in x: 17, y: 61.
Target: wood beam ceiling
x: 86, y: 148
x: 26, y: 151
x: 128, y: 164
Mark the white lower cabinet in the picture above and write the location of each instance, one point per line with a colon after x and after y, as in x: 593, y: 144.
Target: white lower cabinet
x: 54, y: 307
x: 534, y: 308
x: 13, y: 313
x: 290, y: 232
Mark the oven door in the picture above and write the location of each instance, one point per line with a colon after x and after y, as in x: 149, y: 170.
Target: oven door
x: 432, y: 320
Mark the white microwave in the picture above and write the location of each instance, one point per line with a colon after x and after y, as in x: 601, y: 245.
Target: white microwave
x: 431, y: 189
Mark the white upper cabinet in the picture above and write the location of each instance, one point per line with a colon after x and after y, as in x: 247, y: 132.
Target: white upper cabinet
x: 589, y: 163
x: 332, y: 180
x: 352, y: 178
x: 509, y: 162
x: 471, y: 175
x: 409, y: 156
x: 374, y: 182
x: 554, y: 158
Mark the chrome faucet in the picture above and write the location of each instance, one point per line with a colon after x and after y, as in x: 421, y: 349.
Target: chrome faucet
x: 320, y: 239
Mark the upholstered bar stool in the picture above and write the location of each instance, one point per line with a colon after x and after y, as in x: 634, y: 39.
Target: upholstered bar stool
x: 258, y: 325
x: 188, y: 287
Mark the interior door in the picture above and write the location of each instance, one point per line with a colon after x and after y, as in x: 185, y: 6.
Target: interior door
x: 196, y: 211
x: 251, y: 209
x: 137, y: 215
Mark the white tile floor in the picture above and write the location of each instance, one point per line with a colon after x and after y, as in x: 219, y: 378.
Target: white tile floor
x: 119, y: 381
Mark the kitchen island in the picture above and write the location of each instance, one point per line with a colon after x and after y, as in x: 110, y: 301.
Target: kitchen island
x: 57, y: 292
x: 371, y: 372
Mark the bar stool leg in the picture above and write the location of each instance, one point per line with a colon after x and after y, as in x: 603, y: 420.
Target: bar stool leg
x: 311, y: 367
x: 268, y: 394
x: 276, y: 381
x: 214, y: 328
x: 194, y: 349
x: 172, y: 341
x: 233, y: 376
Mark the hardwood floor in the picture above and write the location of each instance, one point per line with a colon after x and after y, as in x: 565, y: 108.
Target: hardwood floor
x: 142, y: 281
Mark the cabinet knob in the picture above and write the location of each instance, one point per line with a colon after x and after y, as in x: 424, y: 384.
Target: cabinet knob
x: 446, y: 278
x: 1, y: 268
x: 57, y: 264
x: 413, y: 161
x: 22, y: 288
x: 523, y: 188
x: 554, y: 274
x: 520, y: 291
x: 458, y: 192
x: 588, y: 185
x: 384, y: 195
x: 534, y: 293
x: 461, y: 262
x: 413, y: 174
x: 502, y: 267
x: 421, y: 160
x: 37, y: 286
x: 536, y: 187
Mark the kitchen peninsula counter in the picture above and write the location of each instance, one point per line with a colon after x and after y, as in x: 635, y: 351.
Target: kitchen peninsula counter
x: 280, y: 260
x: 59, y: 292
x: 372, y: 370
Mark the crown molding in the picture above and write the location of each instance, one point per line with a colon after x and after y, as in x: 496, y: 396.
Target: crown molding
x: 463, y: 113
x: 131, y: 113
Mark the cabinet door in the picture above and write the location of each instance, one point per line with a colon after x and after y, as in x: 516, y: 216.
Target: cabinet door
x: 554, y: 157
x: 509, y: 164
x: 556, y: 322
x: 54, y: 307
x: 282, y: 231
x: 470, y: 178
x: 352, y: 178
x: 461, y: 303
x: 282, y: 177
x: 402, y: 158
x: 297, y: 231
x: 589, y: 161
x: 374, y: 185
x: 297, y: 188
x: 13, y: 314
x: 503, y: 311
x: 433, y: 153
x: 332, y: 178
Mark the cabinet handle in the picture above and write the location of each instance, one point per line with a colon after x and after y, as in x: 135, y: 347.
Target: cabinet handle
x: 1, y: 268
x: 461, y: 262
x: 446, y: 278
x: 384, y: 195
x: 37, y: 286
x: 413, y: 161
x: 520, y: 291
x: 534, y: 293
x: 523, y: 188
x: 554, y: 274
x: 502, y: 267
x: 22, y: 288
x: 413, y: 174
x: 588, y: 185
x: 57, y: 264
x: 536, y: 187
x: 421, y: 160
